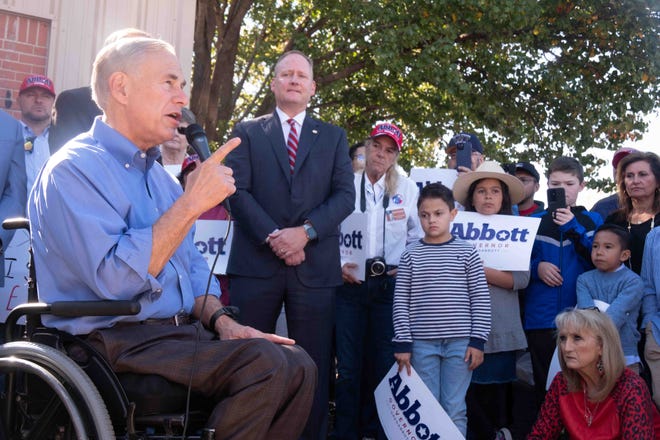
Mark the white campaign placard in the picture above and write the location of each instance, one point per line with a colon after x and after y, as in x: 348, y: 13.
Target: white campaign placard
x: 504, y: 242
x: 424, y: 176
x: 408, y: 411
x: 14, y: 291
x: 210, y: 240
x: 353, y: 242
x: 553, y: 369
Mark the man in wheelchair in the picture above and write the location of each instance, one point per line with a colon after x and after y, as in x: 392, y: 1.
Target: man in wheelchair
x: 108, y: 223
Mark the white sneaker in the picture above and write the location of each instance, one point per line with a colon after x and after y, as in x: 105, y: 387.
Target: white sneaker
x: 503, y: 434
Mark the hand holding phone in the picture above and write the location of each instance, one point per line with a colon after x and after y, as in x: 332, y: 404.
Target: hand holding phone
x: 464, y: 154
x: 556, y: 199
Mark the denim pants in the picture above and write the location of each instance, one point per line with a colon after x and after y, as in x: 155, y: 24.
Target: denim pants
x: 365, y: 353
x: 440, y: 364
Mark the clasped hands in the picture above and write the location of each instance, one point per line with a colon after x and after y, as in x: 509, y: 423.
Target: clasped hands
x: 289, y: 244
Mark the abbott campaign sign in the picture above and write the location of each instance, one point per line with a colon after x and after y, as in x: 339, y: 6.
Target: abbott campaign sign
x: 424, y: 176
x: 408, y: 411
x: 504, y: 242
x: 210, y: 241
x: 353, y: 242
x: 16, y: 257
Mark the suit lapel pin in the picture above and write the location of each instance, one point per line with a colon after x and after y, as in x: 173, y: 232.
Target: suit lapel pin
x: 315, y: 131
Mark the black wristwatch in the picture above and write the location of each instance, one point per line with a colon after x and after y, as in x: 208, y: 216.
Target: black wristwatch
x: 231, y: 311
x: 310, y: 231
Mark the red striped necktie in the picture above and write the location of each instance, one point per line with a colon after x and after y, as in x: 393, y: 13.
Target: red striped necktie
x: 292, y: 143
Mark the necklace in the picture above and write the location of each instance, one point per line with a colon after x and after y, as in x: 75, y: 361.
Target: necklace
x: 588, y: 414
x: 652, y: 223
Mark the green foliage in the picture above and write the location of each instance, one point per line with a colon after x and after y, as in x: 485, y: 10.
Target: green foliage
x: 534, y: 79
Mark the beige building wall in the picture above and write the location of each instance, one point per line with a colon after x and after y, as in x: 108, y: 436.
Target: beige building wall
x: 79, y: 27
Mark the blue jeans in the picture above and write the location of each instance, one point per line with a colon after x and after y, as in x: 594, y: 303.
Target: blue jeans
x: 440, y: 363
x: 365, y: 353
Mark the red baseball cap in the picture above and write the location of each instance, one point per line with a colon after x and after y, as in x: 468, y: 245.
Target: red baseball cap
x: 40, y: 81
x: 390, y: 130
x: 620, y: 154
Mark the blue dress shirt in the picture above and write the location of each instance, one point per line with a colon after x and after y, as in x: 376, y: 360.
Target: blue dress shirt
x: 91, y: 215
x: 37, y: 156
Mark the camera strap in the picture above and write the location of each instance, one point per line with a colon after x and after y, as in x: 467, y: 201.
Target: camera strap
x: 363, y: 205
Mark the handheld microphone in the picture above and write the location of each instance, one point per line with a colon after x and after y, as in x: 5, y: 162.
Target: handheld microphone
x: 197, y: 139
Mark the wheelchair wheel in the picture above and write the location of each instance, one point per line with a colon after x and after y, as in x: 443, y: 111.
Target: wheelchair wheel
x: 52, y: 397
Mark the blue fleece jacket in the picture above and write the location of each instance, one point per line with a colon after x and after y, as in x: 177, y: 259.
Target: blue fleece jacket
x: 569, y: 248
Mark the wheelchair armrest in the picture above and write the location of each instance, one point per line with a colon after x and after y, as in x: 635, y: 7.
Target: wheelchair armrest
x: 95, y: 308
x: 16, y: 223
x: 70, y: 308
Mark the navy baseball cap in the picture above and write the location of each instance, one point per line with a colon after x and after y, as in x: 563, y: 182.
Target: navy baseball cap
x: 528, y: 168
x: 466, y: 138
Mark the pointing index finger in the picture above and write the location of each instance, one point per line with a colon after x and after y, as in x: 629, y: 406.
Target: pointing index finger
x: 219, y: 155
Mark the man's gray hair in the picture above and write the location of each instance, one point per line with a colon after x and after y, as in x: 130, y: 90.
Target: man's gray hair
x: 124, y: 55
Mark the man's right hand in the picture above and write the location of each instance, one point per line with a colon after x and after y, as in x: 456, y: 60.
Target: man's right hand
x: 211, y: 182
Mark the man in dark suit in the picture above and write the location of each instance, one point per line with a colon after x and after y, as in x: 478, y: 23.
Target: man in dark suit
x: 294, y: 187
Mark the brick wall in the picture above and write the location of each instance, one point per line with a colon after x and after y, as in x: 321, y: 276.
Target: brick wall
x: 23, y: 51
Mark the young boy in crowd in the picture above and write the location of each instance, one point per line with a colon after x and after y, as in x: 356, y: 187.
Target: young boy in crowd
x: 560, y: 254
x: 613, y: 288
x: 441, y: 306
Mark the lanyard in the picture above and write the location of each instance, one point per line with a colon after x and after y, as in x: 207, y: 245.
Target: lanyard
x: 363, y: 206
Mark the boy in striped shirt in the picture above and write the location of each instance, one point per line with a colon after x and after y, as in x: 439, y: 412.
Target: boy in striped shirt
x: 441, y: 306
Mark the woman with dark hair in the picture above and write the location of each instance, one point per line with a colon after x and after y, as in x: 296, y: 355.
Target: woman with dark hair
x: 489, y: 191
x: 638, y: 182
x: 594, y: 396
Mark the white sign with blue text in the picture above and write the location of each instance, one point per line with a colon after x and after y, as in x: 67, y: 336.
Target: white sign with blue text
x: 504, y: 242
x: 424, y: 176
x: 353, y: 243
x: 210, y: 241
x: 16, y: 258
x: 408, y: 410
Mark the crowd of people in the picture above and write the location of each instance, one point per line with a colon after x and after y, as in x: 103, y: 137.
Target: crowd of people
x: 112, y: 194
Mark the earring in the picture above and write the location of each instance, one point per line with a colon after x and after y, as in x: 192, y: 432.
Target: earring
x: 599, y: 366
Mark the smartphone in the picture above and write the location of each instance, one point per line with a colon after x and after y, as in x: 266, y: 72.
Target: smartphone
x: 464, y: 155
x: 556, y: 199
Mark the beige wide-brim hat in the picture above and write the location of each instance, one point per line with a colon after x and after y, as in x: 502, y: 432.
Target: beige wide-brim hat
x: 488, y: 170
